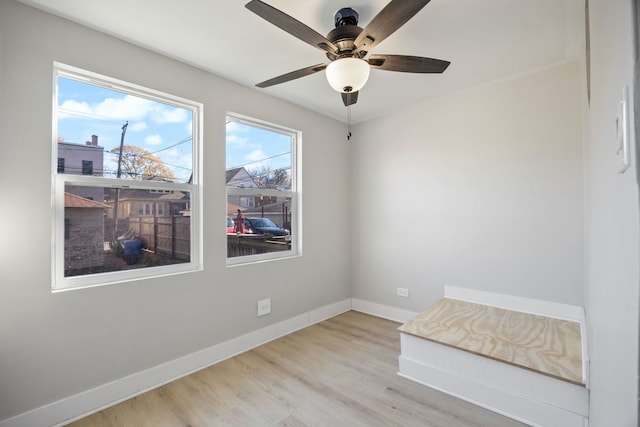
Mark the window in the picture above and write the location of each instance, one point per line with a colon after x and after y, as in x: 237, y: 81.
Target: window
x: 87, y: 167
x: 262, y: 191
x: 122, y: 149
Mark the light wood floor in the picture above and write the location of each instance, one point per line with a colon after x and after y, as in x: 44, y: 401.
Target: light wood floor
x: 340, y: 372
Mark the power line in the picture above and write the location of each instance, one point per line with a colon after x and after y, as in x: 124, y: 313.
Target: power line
x: 261, y: 160
x: 186, y: 139
x: 89, y: 115
x: 154, y: 159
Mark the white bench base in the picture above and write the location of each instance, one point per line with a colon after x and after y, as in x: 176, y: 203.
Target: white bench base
x: 521, y: 394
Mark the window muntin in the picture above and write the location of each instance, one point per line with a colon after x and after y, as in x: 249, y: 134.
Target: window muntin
x: 261, y: 182
x: 107, y: 224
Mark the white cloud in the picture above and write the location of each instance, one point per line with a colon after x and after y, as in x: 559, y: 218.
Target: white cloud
x: 128, y: 108
x: 153, y: 140
x: 174, y: 115
x: 138, y: 126
x: 255, y: 155
x: 70, y: 108
x: 237, y: 141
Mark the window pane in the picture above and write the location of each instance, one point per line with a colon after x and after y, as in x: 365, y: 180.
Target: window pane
x: 257, y: 157
x: 93, y: 122
x: 100, y: 238
x: 264, y: 228
x: 260, y: 190
x: 87, y: 167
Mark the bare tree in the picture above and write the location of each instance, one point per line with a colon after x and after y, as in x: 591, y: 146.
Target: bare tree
x: 260, y: 175
x: 264, y: 176
x: 281, y: 177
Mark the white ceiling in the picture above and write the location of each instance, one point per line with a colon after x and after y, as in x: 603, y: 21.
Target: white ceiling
x: 485, y: 41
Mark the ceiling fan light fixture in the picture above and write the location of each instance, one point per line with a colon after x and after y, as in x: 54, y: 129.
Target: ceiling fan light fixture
x: 347, y: 74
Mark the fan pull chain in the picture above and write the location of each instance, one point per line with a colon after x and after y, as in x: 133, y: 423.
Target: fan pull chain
x: 348, y: 122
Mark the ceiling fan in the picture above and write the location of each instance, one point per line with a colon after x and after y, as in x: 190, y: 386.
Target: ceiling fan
x: 347, y: 45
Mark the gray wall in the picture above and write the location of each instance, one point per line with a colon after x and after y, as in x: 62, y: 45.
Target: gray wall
x: 612, y: 220
x: 55, y: 345
x: 481, y: 189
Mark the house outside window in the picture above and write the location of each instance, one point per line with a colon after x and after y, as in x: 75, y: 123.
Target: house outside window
x: 262, y: 187
x: 142, y: 148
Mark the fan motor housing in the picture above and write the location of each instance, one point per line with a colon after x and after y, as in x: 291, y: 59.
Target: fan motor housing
x: 344, y: 34
x: 343, y: 37
x: 346, y: 16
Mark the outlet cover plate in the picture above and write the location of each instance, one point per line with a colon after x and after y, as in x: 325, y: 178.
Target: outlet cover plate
x: 264, y: 306
x: 403, y: 292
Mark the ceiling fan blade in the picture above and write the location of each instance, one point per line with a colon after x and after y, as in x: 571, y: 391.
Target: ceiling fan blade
x: 291, y: 25
x: 349, y: 98
x: 292, y: 75
x: 407, y: 64
x: 387, y: 21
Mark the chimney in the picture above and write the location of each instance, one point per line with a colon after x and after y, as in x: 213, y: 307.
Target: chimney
x: 94, y: 140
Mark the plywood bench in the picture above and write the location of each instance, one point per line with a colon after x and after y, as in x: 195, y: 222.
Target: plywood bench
x: 523, y: 358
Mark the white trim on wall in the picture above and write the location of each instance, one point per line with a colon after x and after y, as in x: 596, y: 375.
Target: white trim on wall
x: 383, y: 311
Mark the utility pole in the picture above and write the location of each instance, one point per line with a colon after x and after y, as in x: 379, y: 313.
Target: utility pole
x: 124, y: 130
x: 117, y: 199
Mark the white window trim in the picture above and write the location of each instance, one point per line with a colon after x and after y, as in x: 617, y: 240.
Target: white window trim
x: 294, y: 193
x: 59, y: 281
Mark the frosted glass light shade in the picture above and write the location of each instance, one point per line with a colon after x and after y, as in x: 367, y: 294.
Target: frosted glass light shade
x: 347, y: 74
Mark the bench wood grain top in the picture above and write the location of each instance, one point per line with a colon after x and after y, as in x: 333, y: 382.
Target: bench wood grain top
x: 543, y: 344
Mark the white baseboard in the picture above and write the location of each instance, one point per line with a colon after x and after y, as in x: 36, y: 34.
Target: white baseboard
x: 104, y: 396
x: 383, y: 311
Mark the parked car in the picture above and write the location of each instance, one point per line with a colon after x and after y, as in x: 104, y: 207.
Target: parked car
x: 264, y: 226
x: 230, y: 225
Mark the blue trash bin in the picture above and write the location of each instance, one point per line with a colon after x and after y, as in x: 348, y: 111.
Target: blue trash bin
x: 132, y: 250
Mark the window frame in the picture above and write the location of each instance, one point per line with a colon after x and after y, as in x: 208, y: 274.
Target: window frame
x: 59, y: 180
x: 294, y: 194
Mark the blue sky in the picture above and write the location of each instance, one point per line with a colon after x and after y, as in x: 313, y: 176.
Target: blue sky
x: 254, y: 147
x: 162, y: 129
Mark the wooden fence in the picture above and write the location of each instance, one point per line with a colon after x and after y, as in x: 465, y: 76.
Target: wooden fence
x: 170, y: 236
x: 246, y: 244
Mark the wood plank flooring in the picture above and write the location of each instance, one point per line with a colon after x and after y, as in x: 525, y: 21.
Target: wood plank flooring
x: 543, y: 344
x: 340, y: 372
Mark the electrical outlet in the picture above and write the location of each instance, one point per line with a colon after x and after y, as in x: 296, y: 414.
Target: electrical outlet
x: 403, y: 292
x: 264, y: 306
